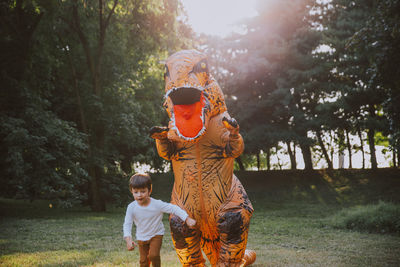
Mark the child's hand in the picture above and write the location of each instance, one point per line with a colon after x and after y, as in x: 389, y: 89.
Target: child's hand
x: 130, y: 245
x: 190, y: 222
x: 133, y: 245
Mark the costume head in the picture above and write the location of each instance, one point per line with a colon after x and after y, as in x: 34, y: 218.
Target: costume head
x: 192, y: 96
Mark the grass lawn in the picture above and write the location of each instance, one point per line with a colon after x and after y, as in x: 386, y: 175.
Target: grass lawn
x: 289, y: 227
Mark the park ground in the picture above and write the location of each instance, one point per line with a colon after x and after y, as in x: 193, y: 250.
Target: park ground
x: 293, y: 224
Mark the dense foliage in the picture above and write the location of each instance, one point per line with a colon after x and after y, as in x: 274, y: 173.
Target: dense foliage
x: 314, y: 75
x: 81, y: 84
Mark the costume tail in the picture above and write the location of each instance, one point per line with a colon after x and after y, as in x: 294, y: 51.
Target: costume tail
x: 249, y: 257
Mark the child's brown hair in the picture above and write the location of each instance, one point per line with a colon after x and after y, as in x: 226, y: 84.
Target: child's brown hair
x: 140, y: 180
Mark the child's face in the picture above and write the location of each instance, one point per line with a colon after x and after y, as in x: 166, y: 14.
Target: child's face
x: 141, y: 195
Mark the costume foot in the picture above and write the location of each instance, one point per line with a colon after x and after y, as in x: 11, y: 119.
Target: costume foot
x: 249, y: 257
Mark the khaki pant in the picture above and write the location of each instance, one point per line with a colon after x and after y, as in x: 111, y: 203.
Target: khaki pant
x: 150, y: 251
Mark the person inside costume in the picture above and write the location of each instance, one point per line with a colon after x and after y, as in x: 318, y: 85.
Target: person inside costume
x: 202, y: 141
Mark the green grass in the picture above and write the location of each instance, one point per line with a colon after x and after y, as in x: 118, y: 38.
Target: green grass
x: 295, y: 235
x: 374, y: 218
x: 32, y: 234
x: 289, y: 226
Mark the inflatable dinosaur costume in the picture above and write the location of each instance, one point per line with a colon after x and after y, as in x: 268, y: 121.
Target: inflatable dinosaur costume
x: 202, y: 141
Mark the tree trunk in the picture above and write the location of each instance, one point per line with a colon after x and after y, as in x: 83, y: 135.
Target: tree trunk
x: 268, y: 157
x: 362, y: 146
x: 292, y: 155
x: 398, y: 156
x: 240, y: 163
x: 332, y: 148
x: 305, y: 149
x: 97, y: 203
x: 258, y: 160
x: 93, y: 61
x: 25, y: 25
x: 342, y: 146
x: 371, y: 140
x: 349, y: 149
x: 324, y: 151
x: 394, y: 157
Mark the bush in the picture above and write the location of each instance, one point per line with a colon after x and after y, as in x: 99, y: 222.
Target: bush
x: 379, y: 218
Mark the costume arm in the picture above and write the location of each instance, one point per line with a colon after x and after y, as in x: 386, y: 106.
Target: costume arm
x: 234, y: 141
x: 165, y: 147
x: 235, y: 146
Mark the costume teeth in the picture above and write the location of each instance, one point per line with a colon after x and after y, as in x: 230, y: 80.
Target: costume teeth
x: 202, y: 115
x: 201, y: 132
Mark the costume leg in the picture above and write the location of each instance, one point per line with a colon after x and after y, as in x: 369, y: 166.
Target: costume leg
x: 186, y: 242
x: 210, y: 246
x: 233, y: 226
x: 154, y: 252
x: 144, y: 247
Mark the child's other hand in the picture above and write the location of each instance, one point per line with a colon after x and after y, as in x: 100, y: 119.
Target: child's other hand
x: 190, y: 222
x: 130, y: 245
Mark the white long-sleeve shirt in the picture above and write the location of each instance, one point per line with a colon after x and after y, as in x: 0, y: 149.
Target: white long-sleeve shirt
x: 148, y: 219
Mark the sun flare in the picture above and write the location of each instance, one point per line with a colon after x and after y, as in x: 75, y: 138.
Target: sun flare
x: 218, y: 17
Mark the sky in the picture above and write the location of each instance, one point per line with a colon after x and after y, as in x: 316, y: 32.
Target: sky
x: 217, y: 17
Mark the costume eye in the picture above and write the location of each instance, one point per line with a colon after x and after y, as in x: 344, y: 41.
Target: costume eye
x: 166, y: 73
x: 201, y: 66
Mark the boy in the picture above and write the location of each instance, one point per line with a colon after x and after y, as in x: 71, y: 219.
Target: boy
x: 147, y: 212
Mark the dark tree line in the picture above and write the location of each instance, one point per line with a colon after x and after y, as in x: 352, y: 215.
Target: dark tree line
x: 81, y: 83
x: 311, y: 74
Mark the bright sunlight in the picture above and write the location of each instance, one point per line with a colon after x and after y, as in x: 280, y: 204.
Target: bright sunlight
x: 218, y: 17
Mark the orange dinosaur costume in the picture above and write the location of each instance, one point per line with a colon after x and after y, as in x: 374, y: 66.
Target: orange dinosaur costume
x: 202, y: 141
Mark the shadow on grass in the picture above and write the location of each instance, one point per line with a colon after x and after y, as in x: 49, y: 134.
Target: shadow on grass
x: 344, y: 187
x: 51, y: 258
x: 46, y: 209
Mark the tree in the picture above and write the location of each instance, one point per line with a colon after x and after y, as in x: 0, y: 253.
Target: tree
x: 379, y: 39
x: 40, y: 153
x: 89, y: 70
x: 358, y: 100
x: 273, y: 76
x: 140, y: 29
